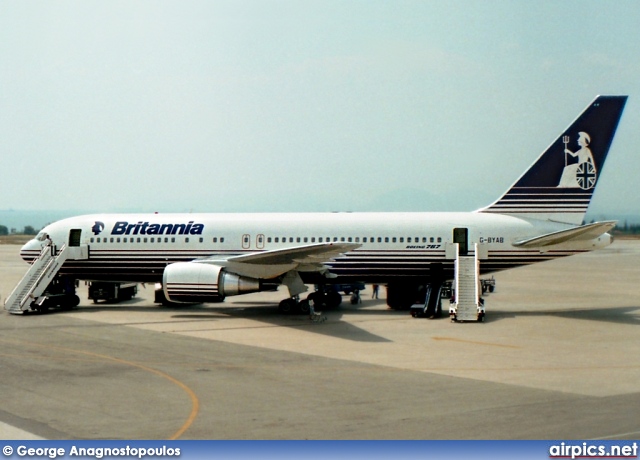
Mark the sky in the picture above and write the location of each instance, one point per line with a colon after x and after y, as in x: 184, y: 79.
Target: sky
x: 303, y: 105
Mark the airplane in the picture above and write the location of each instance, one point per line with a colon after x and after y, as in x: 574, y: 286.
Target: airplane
x: 207, y: 257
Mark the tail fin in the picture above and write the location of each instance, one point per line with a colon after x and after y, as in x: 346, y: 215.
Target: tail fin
x: 559, y: 185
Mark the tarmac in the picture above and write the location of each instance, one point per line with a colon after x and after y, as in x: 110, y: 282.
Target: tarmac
x: 557, y: 358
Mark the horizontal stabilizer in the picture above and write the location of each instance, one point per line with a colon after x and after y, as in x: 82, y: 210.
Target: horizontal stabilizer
x: 582, y: 233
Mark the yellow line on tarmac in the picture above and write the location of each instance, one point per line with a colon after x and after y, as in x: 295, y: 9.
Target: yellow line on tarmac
x: 489, y: 344
x: 195, y: 403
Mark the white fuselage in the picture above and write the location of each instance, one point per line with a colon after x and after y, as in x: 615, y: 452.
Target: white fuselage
x: 393, y: 246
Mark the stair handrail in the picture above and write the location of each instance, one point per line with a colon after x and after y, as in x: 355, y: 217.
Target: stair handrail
x: 44, y: 272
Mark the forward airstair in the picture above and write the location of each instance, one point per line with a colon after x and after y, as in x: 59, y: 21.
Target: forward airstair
x: 28, y: 294
x: 468, y: 305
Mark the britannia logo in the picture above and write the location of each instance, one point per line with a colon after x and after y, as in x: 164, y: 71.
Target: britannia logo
x: 581, y: 174
x: 97, y: 228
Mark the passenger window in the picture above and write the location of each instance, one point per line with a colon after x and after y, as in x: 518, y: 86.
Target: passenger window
x: 386, y: 239
x: 201, y: 240
x: 439, y: 239
x: 306, y: 239
x: 393, y: 240
x: 215, y: 239
x: 144, y: 240
x: 153, y: 240
x: 186, y: 240
x: 402, y: 239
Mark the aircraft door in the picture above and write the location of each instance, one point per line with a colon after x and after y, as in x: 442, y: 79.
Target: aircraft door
x: 75, y: 236
x: 246, y: 241
x: 260, y: 241
x: 461, y: 236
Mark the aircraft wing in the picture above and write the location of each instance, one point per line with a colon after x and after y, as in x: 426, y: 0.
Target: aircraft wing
x: 582, y: 233
x: 269, y: 264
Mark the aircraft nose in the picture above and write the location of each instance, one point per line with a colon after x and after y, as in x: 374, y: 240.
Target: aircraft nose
x: 30, y: 250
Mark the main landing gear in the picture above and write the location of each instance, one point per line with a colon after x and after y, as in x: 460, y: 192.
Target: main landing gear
x: 325, y: 298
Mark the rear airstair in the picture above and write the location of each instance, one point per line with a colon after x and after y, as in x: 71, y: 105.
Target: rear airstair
x: 468, y: 305
x: 27, y: 295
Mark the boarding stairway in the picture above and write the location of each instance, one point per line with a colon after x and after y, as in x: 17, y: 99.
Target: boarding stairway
x: 467, y: 305
x: 432, y: 299
x: 432, y: 307
x: 28, y: 293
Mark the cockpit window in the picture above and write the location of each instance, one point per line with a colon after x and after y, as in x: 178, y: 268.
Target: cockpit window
x: 41, y: 236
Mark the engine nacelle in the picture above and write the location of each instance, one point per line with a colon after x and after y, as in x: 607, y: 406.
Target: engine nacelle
x: 193, y: 282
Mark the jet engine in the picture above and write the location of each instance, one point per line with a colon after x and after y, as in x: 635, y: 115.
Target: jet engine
x: 193, y: 282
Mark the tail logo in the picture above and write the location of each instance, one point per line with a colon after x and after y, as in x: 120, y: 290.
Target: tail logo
x: 581, y: 173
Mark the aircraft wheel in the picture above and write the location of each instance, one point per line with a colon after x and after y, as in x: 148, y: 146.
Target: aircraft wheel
x: 287, y: 306
x: 334, y: 299
x: 304, y: 307
x: 318, y: 298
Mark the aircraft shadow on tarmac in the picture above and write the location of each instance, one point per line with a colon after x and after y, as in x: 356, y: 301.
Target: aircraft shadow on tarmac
x: 331, y: 321
x: 328, y: 323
